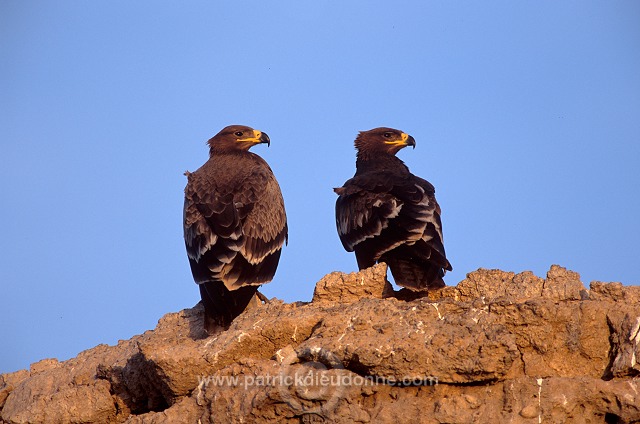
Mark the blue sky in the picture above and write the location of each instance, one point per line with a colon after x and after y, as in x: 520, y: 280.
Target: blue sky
x: 526, y: 117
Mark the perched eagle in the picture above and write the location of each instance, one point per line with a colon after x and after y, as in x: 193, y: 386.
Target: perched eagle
x: 387, y: 214
x: 234, y: 224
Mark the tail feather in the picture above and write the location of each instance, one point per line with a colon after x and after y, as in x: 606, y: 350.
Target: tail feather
x: 222, y: 306
x: 416, y: 274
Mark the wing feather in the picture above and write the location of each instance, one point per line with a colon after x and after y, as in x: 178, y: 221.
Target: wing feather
x: 265, y: 226
x: 228, y: 234
x: 363, y: 215
x: 375, y: 214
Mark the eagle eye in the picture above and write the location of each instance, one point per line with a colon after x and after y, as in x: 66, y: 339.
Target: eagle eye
x: 238, y: 133
x: 387, y: 135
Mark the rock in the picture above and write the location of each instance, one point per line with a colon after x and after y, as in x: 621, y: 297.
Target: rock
x: 614, y: 292
x: 43, y: 365
x: 8, y: 382
x: 563, y: 285
x: 626, y: 337
x: 498, y: 347
x: 349, y: 288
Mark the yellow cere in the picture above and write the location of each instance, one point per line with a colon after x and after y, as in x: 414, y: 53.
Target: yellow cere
x: 403, y: 139
x: 254, y: 139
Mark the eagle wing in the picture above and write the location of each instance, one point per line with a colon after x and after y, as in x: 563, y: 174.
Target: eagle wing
x: 377, y: 213
x: 235, y: 236
x: 363, y: 210
x: 262, y: 214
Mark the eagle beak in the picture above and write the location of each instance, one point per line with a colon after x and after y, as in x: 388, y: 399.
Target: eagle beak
x: 264, y: 138
x: 408, y: 140
x: 258, y: 137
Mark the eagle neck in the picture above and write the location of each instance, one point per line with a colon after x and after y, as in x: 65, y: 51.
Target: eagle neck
x: 378, y: 161
x: 231, y: 153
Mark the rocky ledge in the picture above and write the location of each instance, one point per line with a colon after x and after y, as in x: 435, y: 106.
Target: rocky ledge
x: 498, y: 347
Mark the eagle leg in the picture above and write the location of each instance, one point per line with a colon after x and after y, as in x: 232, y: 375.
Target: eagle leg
x: 222, y: 306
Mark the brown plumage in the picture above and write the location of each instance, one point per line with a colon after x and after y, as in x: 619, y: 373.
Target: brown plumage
x: 387, y: 214
x: 234, y: 224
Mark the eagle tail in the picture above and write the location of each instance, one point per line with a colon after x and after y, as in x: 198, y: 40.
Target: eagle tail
x: 416, y: 274
x: 222, y: 306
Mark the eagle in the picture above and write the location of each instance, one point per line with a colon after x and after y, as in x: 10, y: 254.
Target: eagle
x: 387, y: 214
x: 234, y: 225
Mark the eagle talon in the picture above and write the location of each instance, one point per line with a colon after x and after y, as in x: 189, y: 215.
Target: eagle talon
x: 263, y: 298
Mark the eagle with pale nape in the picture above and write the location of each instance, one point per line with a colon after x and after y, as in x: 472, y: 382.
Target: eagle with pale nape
x: 387, y: 214
x: 234, y: 225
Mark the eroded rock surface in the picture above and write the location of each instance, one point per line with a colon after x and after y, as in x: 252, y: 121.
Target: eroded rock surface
x: 498, y: 347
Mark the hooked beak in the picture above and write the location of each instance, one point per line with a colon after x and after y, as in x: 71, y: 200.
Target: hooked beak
x: 411, y: 142
x: 257, y: 137
x: 264, y: 138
